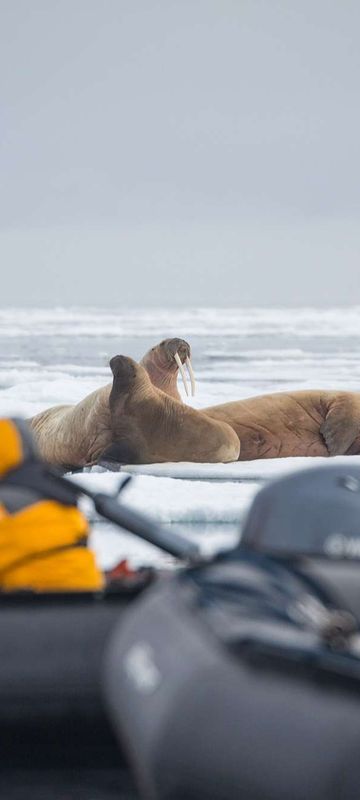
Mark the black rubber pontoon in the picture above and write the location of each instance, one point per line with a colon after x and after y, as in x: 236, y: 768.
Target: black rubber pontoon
x: 241, y: 678
x: 56, y: 741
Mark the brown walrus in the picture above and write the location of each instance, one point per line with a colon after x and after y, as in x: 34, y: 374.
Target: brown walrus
x: 149, y: 427
x: 163, y: 363
x: 77, y: 435
x: 302, y: 423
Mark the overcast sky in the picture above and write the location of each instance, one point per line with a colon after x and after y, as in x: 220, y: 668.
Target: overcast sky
x: 180, y: 152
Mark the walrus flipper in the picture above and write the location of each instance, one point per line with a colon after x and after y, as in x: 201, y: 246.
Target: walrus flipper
x: 119, y: 453
x: 341, y: 426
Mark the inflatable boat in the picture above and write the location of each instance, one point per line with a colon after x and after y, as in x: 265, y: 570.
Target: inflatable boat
x: 240, y: 678
x: 236, y: 677
x: 56, y: 739
x: 56, y: 736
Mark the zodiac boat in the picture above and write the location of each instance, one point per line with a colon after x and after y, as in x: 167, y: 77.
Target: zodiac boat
x: 56, y: 735
x: 240, y: 678
x: 237, y: 677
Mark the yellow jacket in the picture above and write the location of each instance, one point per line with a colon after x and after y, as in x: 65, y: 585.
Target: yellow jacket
x: 43, y: 544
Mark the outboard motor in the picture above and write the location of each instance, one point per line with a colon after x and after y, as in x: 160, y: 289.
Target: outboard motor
x: 240, y: 678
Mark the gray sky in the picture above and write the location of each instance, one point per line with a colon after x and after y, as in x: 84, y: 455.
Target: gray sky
x: 188, y: 152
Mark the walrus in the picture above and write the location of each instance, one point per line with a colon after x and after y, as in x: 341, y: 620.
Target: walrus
x: 300, y: 423
x: 149, y: 426
x: 77, y: 435
x: 165, y: 361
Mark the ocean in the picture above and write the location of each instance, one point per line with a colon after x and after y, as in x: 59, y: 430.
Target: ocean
x: 50, y: 356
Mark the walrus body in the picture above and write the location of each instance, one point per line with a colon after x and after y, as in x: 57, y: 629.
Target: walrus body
x: 131, y: 421
x: 77, y: 435
x: 149, y: 427
x: 303, y: 423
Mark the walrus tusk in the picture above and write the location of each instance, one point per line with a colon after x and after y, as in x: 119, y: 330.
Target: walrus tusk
x: 182, y: 372
x: 191, y: 374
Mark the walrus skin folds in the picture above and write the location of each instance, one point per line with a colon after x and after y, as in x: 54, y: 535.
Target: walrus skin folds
x: 77, y: 435
x: 133, y: 421
x: 302, y: 423
x: 140, y: 418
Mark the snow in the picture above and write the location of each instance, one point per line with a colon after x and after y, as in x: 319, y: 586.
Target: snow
x: 212, y: 517
x: 51, y: 356
x: 176, y: 501
x: 240, y: 471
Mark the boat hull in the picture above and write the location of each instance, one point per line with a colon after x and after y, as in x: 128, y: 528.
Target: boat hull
x: 199, y: 720
x: 56, y: 739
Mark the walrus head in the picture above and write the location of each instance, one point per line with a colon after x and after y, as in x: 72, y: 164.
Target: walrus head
x: 128, y: 378
x: 165, y: 360
x: 123, y: 369
x: 131, y: 383
x: 167, y: 350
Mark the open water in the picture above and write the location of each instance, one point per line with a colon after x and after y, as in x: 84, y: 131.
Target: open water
x: 50, y: 356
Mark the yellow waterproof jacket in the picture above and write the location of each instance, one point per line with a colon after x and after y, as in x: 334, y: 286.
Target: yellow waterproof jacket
x: 43, y: 544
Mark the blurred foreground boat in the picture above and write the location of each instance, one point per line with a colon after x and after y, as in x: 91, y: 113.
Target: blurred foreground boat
x: 241, y: 678
x: 238, y: 677
x: 56, y: 738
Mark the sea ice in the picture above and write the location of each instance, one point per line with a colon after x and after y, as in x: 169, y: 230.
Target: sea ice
x: 51, y: 356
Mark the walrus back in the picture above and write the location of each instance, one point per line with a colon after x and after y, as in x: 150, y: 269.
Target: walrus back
x: 277, y: 425
x: 74, y: 434
x: 46, y: 427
